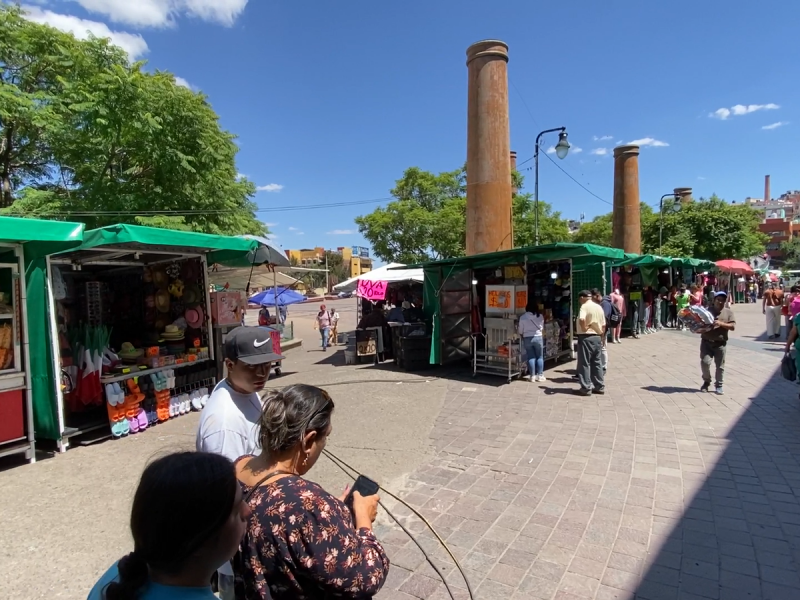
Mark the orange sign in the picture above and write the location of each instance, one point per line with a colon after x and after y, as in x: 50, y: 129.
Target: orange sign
x: 522, y: 298
x: 499, y: 299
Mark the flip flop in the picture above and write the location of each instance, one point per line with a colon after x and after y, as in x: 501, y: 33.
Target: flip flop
x: 196, y: 402
x: 133, y: 423
x: 124, y: 426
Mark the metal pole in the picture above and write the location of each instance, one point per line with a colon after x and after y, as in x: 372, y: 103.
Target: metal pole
x: 536, y: 183
x: 327, y: 275
x: 536, y: 193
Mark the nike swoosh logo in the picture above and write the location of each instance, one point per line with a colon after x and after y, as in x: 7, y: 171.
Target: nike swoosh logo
x: 258, y: 344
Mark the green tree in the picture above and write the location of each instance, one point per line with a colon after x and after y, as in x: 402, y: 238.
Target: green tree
x: 89, y: 136
x: 597, y: 231
x: 791, y: 253
x: 427, y: 221
x: 710, y: 229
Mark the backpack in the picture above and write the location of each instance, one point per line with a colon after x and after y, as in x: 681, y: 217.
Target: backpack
x: 616, y: 317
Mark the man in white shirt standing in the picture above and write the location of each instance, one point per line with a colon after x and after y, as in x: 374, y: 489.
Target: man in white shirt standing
x: 591, y: 326
x: 228, y: 422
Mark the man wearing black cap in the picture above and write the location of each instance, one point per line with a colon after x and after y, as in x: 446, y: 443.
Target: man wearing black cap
x: 228, y: 422
x: 714, y: 343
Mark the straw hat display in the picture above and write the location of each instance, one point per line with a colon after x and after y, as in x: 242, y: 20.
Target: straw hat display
x: 162, y: 301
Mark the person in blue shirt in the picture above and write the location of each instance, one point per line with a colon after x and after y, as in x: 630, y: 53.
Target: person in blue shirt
x: 188, y: 518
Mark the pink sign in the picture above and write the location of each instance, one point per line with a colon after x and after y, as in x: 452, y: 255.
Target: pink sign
x: 372, y: 290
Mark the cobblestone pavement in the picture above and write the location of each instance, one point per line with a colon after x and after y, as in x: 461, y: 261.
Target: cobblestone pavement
x: 653, y: 491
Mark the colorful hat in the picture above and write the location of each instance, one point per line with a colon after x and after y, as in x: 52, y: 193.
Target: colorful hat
x: 195, y: 317
x: 162, y: 301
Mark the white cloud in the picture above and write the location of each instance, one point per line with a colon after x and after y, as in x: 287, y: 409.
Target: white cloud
x: 270, y: 224
x: 341, y: 232
x: 241, y: 176
x: 701, y: 178
x: 575, y: 150
x: 599, y: 151
x: 132, y: 43
x: 602, y: 138
x: 183, y: 83
x: 270, y: 187
x: 648, y: 141
x: 741, y: 109
x: 551, y: 150
x: 775, y: 125
x: 163, y: 13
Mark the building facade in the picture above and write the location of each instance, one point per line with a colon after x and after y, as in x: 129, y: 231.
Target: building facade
x: 780, y: 220
x: 356, y: 259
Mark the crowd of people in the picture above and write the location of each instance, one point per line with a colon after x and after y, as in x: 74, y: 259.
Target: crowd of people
x: 240, y: 508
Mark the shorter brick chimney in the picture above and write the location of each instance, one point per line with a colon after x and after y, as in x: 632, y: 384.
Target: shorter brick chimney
x: 683, y: 194
x: 766, y: 188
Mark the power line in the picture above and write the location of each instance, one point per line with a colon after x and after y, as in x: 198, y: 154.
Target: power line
x: 576, y: 181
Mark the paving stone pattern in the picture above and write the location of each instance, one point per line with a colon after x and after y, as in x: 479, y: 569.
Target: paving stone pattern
x: 652, y: 491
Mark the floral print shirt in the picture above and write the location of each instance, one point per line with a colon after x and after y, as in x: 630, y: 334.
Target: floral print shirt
x: 302, y: 545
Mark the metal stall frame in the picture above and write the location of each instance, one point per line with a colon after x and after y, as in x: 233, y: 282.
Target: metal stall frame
x: 27, y: 444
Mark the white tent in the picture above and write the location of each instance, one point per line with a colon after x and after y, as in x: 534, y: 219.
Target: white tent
x: 388, y: 273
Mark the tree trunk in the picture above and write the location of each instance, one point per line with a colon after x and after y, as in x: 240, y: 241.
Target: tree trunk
x: 6, y: 198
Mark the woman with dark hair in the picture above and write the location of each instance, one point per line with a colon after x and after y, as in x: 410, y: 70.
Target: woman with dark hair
x: 302, y: 542
x: 188, y: 517
x: 530, y: 327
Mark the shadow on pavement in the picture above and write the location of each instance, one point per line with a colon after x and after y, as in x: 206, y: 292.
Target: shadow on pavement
x: 670, y: 389
x: 739, y: 537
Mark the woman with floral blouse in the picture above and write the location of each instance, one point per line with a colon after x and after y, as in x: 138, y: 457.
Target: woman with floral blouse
x: 302, y: 543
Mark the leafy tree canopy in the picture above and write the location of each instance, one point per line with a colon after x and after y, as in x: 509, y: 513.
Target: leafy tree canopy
x: 427, y: 221
x: 709, y: 228
x: 86, y: 135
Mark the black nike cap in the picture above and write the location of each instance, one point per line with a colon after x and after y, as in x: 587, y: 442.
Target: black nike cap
x: 251, y: 345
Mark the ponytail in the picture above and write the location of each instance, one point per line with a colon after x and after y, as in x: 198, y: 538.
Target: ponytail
x: 133, y: 575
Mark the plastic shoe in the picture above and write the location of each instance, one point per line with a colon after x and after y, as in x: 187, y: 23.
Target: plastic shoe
x: 196, y: 402
x: 133, y: 422
x: 141, y: 419
x: 183, y: 405
x: 125, y: 426
x: 173, y: 407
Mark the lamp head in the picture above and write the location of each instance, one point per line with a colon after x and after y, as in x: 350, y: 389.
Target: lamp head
x: 562, y: 147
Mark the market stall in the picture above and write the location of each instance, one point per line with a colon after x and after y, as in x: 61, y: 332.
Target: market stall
x: 474, y: 302
x: 398, y: 332
x: 132, y: 329
x: 24, y: 244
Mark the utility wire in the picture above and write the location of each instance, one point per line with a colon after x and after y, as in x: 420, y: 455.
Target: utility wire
x: 341, y: 464
x: 576, y: 181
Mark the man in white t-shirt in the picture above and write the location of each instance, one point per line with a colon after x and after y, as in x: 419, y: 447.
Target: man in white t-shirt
x: 228, y: 423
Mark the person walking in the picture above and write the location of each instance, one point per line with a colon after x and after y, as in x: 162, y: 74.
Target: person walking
x: 334, y: 334
x: 608, y: 312
x: 713, y: 343
x: 530, y: 327
x: 771, y: 307
x: 323, y: 323
x: 681, y: 302
x: 590, y: 327
x: 228, y: 422
x: 618, y: 300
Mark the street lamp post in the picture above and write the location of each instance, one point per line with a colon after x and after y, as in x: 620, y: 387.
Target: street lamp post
x: 562, y: 149
x: 661, y: 220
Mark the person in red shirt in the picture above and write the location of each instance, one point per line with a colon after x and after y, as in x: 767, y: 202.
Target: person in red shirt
x: 696, y: 297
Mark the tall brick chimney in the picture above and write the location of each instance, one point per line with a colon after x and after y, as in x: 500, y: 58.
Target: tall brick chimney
x: 488, y: 149
x: 766, y: 189
x: 626, y: 224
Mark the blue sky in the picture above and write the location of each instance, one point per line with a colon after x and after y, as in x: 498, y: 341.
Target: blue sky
x: 333, y: 100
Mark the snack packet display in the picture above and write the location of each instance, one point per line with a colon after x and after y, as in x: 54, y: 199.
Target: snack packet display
x: 696, y: 319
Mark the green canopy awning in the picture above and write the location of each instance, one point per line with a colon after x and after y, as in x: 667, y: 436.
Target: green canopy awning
x: 219, y: 248
x: 41, y: 237
x: 645, y: 260
x: 697, y: 263
x: 580, y: 253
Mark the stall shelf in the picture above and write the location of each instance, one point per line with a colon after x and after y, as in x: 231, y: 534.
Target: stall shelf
x: 24, y: 244
x: 126, y: 251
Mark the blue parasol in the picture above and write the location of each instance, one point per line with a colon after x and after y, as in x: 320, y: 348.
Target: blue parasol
x: 284, y: 296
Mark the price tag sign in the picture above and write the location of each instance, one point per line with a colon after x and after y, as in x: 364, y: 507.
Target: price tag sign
x: 372, y: 290
x: 522, y: 299
x: 499, y: 299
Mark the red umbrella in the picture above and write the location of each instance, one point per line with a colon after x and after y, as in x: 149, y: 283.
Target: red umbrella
x: 737, y: 267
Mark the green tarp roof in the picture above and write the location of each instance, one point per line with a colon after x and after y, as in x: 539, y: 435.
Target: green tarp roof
x: 653, y: 260
x: 39, y: 236
x: 583, y: 253
x: 220, y: 248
